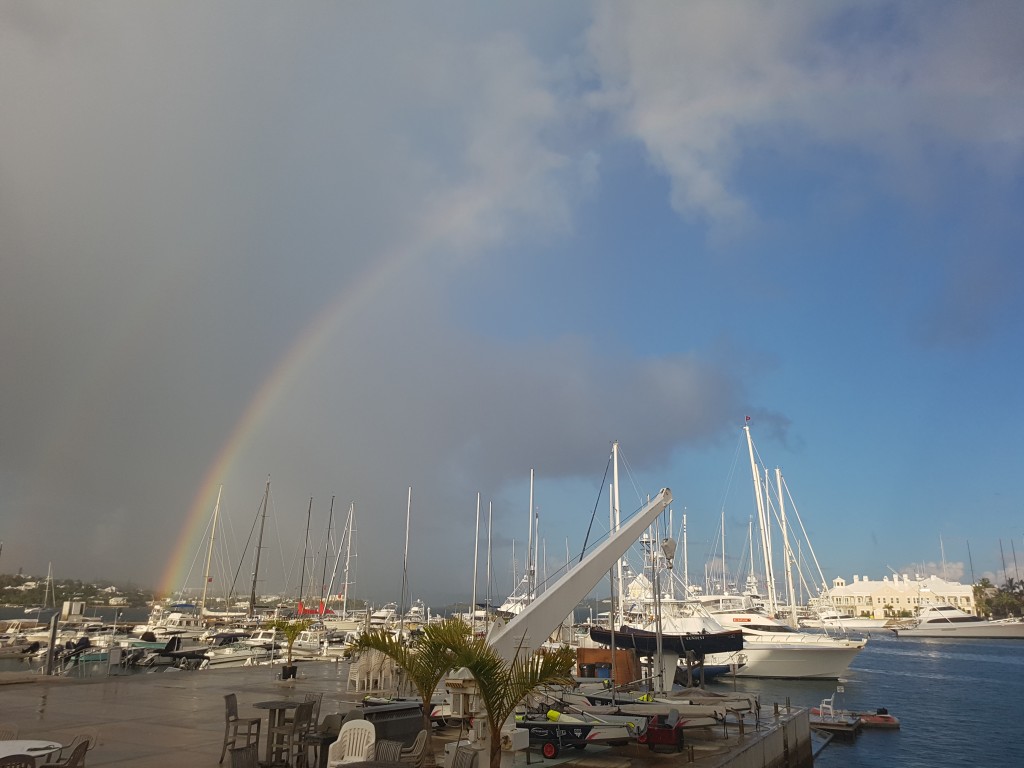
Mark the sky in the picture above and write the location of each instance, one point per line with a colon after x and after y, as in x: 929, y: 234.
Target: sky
x: 363, y: 248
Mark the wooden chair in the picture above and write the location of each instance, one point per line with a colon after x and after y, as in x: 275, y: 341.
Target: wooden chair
x: 244, y: 757
x: 316, y: 738
x: 76, y: 759
x: 356, y: 743
x: 8, y: 731
x: 233, y: 724
x: 287, y: 738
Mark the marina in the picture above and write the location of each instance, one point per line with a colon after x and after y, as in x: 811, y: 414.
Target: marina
x: 950, y: 697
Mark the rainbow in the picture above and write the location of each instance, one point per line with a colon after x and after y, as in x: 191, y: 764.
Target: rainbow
x: 348, y: 303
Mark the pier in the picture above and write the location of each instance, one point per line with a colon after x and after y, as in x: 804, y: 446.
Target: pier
x: 176, y: 717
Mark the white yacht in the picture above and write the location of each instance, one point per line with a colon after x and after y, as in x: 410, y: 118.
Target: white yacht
x: 772, y: 648
x: 831, y: 619
x: 944, y: 620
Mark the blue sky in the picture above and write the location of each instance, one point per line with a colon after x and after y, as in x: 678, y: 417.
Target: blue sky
x: 362, y: 247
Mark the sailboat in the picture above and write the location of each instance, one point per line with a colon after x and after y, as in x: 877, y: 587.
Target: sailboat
x: 49, y: 598
x: 775, y: 647
x: 343, y: 620
x: 656, y: 625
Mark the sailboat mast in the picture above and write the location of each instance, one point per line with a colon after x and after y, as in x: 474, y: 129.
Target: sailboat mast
x: 323, y: 580
x: 405, y: 567
x: 530, y: 575
x: 305, y: 549
x: 617, y: 521
x: 348, y: 555
x: 209, y: 552
x: 686, y: 561
x: 762, y: 519
x: 786, y: 554
x: 487, y: 580
x: 476, y: 549
x: 259, y: 546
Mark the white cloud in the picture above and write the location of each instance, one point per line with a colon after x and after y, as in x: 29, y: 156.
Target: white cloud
x: 701, y: 84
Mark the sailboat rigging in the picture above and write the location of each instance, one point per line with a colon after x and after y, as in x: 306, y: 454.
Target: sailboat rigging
x: 259, y: 547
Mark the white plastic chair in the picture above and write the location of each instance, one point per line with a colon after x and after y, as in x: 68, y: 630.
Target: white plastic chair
x: 359, y: 672
x: 827, y: 708
x: 356, y: 742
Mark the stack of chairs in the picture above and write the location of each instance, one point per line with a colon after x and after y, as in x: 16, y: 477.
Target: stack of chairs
x: 359, y: 672
x: 415, y: 753
x: 382, y: 671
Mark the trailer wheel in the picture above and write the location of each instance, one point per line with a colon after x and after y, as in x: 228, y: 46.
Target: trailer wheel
x: 549, y: 749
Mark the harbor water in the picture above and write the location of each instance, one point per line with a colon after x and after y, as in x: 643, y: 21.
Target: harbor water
x: 958, y: 701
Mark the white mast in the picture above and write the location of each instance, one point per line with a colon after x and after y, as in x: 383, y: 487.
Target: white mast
x: 725, y: 573
x: 209, y: 552
x: 686, y: 561
x: 530, y: 575
x: 487, y: 583
x: 762, y: 519
x: 345, y: 538
x: 405, y: 568
x: 786, y: 554
x: 617, y: 515
x: 476, y: 548
x: 348, y: 555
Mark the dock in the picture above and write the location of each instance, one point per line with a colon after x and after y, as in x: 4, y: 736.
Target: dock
x: 176, y: 717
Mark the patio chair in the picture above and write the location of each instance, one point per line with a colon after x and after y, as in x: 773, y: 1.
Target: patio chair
x: 287, y: 738
x: 74, y: 760
x: 18, y: 761
x: 8, y: 731
x: 414, y: 753
x: 315, y: 699
x: 387, y: 751
x: 91, y: 736
x: 382, y: 670
x: 355, y: 743
x: 465, y: 757
x: 233, y: 725
x: 317, y: 736
x: 359, y: 670
x: 331, y: 723
x: 827, y: 707
x: 244, y: 757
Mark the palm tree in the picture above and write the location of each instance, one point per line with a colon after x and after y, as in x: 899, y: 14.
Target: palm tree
x: 450, y: 644
x: 291, y: 631
x: 426, y: 659
x: 503, y: 684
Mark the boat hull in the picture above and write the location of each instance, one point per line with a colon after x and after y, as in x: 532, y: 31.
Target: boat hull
x: 644, y: 642
x: 807, y: 660
x: 982, y: 630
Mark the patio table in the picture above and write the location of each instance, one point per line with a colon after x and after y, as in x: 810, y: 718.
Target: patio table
x: 34, y: 747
